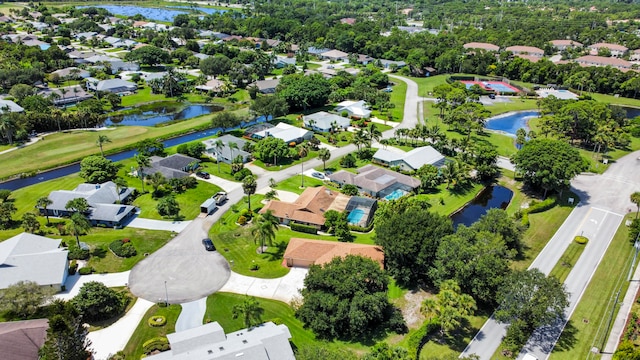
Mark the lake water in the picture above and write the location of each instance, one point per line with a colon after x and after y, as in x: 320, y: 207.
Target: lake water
x: 157, y: 14
x: 491, y: 197
x: 511, y: 122
x: 161, y: 115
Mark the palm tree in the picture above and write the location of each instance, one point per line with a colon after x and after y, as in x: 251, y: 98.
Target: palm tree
x: 7, y: 126
x: 373, y: 134
x: 156, y: 180
x: 635, y: 198
x: 249, y: 187
x: 359, y: 138
x: 302, y: 153
x: 324, y: 155
x: 250, y: 310
x: 121, y: 184
x: 264, y: 229
x: 451, y: 173
x: 78, y: 225
x: 219, y: 144
x: 142, y: 161
x: 232, y: 146
x: 450, y: 306
x: 77, y: 205
x: 102, y: 139
x: 42, y: 203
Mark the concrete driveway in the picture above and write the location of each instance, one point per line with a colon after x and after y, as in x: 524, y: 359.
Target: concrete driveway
x: 182, y: 270
x: 191, y: 315
x: 151, y: 224
x: 284, y: 289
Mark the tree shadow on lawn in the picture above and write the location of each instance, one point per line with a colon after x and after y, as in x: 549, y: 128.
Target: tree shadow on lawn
x: 275, y: 253
x: 99, y: 252
x: 567, y: 340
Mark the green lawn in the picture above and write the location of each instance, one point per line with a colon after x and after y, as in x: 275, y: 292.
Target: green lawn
x: 220, y: 308
x: 397, y: 98
x: 292, y: 184
x: 567, y: 261
x: 446, y: 202
x: 144, y: 331
x: 104, y: 261
x: 285, y: 163
x: 189, y: 201
x: 451, y: 346
x: 142, y: 96
x: 587, y: 325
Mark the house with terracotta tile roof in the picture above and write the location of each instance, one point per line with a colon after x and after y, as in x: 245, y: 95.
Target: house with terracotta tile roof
x: 526, y: 50
x: 309, y: 208
x: 306, y: 252
x: 591, y: 60
x: 635, y: 55
x: 481, y: 46
x: 615, y: 49
x: 565, y: 44
x: 348, y: 21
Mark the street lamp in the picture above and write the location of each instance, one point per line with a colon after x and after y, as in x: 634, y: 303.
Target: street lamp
x: 636, y: 245
x: 166, y: 294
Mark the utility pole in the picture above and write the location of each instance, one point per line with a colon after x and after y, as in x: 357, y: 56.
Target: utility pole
x: 636, y: 245
x: 302, y: 173
x: 166, y: 294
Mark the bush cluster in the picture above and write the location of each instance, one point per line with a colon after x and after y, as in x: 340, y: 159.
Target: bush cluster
x: 242, y: 220
x: 243, y: 173
x: 581, y: 240
x: 156, y: 343
x: 304, y: 228
x: 73, y: 267
x: 122, y: 248
x: 535, y: 207
x: 85, y: 270
x: 420, y: 337
x: 78, y: 254
x: 157, y: 321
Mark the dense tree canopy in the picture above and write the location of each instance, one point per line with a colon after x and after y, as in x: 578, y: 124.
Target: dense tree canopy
x: 548, y: 164
x: 96, y: 169
x: 148, y: 55
x: 410, y: 236
x: 303, y: 92
x: 97, y: 302
x: 24, y: 298
x: 346, y: 298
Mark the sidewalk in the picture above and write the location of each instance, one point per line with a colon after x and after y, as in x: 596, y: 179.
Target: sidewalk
x: 226, y: 185
x: 75, y: 282
x: 621, y: 319
x: 114, y: 338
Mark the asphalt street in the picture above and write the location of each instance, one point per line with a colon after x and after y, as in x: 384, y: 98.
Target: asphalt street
x: 603, y: 201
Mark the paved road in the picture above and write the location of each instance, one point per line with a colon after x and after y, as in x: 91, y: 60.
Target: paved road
x: 191, y: 315
x: 191, y: 273
x: 604, y: 198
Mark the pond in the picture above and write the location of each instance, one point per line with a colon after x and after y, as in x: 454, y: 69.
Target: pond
x: 510, y: 123
x: 491, y: 197
x: 150, y: 13
x: 161, y: 115
x: 632, y: 112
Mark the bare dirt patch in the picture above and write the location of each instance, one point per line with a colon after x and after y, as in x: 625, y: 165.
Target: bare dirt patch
x: 410, y: 305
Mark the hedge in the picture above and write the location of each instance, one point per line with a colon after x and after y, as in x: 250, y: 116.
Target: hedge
x: 85, y: 270
x: 156, y: 343
x: 537, y: 207
x: 360, y: 228
x: 420, y: 337
x: 581, y: 239
x: 78, y: 254
x: 123, y: 248
x: 304, y: 228
x: 157, y: 321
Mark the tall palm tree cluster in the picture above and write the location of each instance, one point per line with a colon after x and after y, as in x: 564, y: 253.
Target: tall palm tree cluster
x: 366, y: 136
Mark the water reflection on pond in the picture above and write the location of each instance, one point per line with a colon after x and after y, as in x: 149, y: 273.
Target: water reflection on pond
x: 491, y: 197
x: 161, y: 114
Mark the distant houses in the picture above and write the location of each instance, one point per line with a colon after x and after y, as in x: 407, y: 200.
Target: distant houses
x: 285, y: 132
x: 65, y: 95
x: 323, y: 121
x: 481, y: 46
x: 226, y: 153
x: 29, y: 257
x: 565, y: 44
x: 376, y: 181
x: 355, y: 109
x: 615, y: 49
x: 175, y: 166
x: 410, y: 161
x: 10, y: 106
x: 592, y: 60
x: 116, y: 86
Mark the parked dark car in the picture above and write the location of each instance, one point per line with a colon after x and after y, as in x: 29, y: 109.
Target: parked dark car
x: 208, y: 244
x: 318, y: 175
x: 203, y: 174
x: 492, y: 96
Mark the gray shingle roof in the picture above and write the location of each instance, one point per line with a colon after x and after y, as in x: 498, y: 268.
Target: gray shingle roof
x: 29, y: 257
x: 21, y: 340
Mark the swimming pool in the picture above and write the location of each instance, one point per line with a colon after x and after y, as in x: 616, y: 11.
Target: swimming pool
x: 355, y: 216
x: 396, y: 194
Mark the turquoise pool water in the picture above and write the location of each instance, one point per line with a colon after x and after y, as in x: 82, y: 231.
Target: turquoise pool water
x: 355, y: 216
x: 396, y: 194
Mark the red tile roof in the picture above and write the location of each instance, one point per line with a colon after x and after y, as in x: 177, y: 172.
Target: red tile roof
x: 321, y: 252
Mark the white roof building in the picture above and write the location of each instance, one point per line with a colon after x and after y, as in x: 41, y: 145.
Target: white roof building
x: 285, y: 132
x: 29, y: 257
x: 412, y: 160
x: 209, y: 342
x: 323, y: 121
x: 10, y: 105
x: 357, y: 109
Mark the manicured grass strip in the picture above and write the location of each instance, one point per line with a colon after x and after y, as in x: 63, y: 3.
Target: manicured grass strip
x: 220, y: 308
x: 189, y: 201
x: 567, y: 261
x: 292, y: 184
x: 445, y: 201
x: 588, y: 324
x: 144, y: 331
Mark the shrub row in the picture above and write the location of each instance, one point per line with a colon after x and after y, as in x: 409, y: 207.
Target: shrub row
x: 85, y: 270
x: 360, y: 228
x: 123, y: 248
x: 78, y: 254
x: 304, y: 228
x: 581, y: 240
x: 535, y: 207
x: 421, y: 336
x: 156, y: 343
x: 157, y: 321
